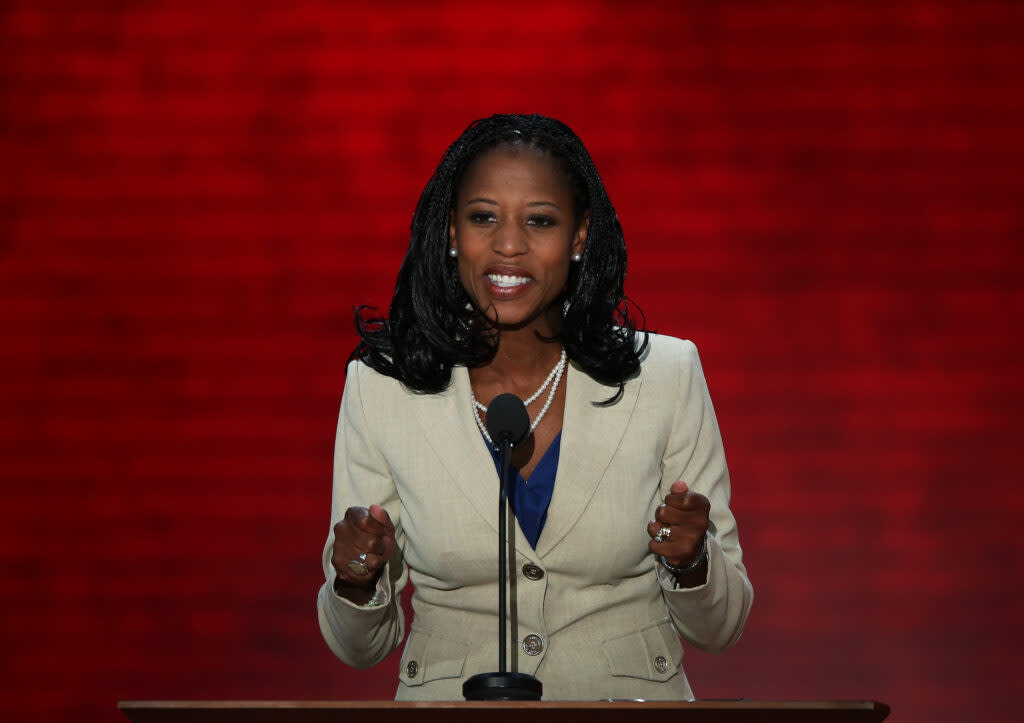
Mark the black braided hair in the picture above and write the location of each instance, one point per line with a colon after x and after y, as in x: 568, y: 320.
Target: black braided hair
x: 431, y: 326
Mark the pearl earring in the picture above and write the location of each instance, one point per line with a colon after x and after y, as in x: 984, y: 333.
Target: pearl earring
x: 577, y: 257
x: 453, y: 252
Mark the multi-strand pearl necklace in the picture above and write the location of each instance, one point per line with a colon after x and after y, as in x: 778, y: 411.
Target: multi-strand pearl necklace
x: 556, y: 375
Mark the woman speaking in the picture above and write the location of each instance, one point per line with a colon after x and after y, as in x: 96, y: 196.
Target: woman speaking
x: 624, y: 542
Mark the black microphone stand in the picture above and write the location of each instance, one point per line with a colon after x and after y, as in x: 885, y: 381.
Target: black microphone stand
x: 503, y: 685
x: 506, y: 465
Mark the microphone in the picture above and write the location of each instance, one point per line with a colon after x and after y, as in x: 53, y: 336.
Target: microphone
x: 507, y: 420
x: 508, y: 424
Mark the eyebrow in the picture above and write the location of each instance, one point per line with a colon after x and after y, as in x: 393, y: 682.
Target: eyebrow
x: 495, y: 203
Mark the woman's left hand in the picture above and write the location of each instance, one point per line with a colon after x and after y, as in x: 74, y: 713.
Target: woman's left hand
x: 685, y: 515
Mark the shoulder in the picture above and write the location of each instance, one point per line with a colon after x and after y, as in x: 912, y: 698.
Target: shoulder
x: 671, y: 363
x: 668, y: 353
x: 369, y: 384
x: 375, y: 387
x: 371, y: 400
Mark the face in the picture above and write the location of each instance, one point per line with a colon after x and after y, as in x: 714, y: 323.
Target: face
x: 514, y: 226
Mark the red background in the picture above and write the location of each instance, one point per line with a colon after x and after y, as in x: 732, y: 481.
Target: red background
x: 826, y: 197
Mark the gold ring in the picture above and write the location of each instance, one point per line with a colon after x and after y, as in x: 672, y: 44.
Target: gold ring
x: 663, y: 534
x: 358, y: 566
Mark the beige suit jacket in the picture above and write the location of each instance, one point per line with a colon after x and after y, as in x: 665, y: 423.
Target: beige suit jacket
x: 603, y: 621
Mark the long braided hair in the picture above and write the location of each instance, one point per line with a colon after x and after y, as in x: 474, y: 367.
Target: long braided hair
x: 431, y: 326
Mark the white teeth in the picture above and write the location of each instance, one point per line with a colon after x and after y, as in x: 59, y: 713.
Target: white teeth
x: 508, y: 281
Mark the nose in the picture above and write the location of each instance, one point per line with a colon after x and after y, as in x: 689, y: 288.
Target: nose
x: 508, y: 240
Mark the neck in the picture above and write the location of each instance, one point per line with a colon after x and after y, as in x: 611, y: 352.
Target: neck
x: 524, y: 352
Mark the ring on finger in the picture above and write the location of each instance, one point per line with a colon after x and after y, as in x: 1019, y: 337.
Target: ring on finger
x: 358, y: 565
x: 664, y: 532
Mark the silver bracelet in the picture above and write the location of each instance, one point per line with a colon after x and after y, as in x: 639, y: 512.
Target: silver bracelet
x: 702, y: 557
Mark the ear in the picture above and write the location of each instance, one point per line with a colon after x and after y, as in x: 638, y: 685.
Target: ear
x: 451, y: 228
x: 579, y: 241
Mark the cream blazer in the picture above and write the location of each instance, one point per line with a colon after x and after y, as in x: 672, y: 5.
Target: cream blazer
x: 595, y: 617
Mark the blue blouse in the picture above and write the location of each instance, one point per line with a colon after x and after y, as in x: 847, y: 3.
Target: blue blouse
x: 530, y: 500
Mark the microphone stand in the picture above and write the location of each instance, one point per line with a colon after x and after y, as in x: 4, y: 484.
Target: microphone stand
x: 502, y: 685
x: 506, y: 464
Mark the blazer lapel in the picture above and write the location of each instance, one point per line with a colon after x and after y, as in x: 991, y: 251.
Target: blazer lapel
x: 590, y: 438
x: 450, y: 430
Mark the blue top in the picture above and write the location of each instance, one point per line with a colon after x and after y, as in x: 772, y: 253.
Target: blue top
x: 530, y: 500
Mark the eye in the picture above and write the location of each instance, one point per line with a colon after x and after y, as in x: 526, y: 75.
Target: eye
x: 541, y: 220
x: 482, y: 217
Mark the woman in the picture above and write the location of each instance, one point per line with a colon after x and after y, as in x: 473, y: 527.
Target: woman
x: 513, y: 282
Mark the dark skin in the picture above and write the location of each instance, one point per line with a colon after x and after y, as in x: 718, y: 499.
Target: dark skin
x: 514, y: 215
x: 686, y: 513
x: 362, y: 530
x: 515, y: 228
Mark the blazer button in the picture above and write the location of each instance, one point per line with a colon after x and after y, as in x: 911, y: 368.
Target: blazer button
x: 661, y: 664
x: 412, y: 668
x: 533, y: 645
x: 532, y: 572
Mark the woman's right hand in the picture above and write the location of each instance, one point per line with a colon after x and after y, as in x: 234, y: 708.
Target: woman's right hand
x: 367, y: 536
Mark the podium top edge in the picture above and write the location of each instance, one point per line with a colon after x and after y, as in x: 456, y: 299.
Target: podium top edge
x: 734, y: 704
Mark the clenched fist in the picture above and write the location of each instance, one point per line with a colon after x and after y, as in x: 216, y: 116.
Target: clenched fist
x: 363, y: 542
x: 679, y: 526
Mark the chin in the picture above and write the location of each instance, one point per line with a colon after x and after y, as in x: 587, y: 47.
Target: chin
x: 511, y: 319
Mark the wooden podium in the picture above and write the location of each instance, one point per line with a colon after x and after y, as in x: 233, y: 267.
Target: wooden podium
x: 704, y: 711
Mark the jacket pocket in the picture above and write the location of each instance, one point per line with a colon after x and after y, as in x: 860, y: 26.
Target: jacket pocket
x: 651, y: 652
x: 431, y: 657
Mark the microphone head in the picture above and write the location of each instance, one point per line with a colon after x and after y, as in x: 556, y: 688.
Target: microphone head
x: 507, y: 419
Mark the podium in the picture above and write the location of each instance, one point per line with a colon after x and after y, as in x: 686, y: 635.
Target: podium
x: 702, y: 711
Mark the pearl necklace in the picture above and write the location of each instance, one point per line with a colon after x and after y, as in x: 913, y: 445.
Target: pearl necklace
x: 556, y: 375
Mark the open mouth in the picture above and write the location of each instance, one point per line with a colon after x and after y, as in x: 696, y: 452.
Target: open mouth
x: 505, y: 281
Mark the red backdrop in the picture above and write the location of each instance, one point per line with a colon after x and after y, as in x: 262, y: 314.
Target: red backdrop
x: 826, y: 197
